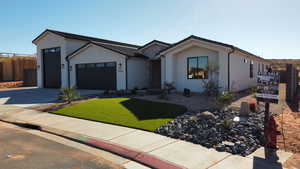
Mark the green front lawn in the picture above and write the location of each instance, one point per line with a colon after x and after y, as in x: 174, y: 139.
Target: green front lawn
x: 129, y: 112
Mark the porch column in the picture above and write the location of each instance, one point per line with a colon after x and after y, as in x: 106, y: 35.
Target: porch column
x: 169, y: 61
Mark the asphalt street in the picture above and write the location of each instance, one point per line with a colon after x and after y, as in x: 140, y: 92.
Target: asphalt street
x: 22, y: 150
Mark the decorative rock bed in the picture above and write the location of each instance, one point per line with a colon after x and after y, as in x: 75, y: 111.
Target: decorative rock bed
x: 218, y: 130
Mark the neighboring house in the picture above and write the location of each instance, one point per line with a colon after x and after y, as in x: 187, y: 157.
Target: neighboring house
x: 66, y: 59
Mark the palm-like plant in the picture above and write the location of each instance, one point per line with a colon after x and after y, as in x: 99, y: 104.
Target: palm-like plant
x: 69, y: 94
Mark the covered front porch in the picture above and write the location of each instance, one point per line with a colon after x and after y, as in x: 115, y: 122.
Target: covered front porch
x: 187, y: 66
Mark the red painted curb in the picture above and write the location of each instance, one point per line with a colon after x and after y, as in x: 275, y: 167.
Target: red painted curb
x: 122, y: 150
x: 155, y: 162
x: 136, y: 155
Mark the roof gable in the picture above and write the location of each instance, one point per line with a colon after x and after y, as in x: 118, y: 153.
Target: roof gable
x: 212, y: 42
x: 82, y: 37
x: 152, y: 43
x: 125, y: 51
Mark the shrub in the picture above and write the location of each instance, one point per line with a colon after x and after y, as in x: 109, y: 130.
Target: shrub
x: 164, y: 95
x: 254, y: 90
x: 68, y: 94
x: 227, y: 124
x: 134, y: 91
x: 211, y: 88
x: 169, y: 87
x: 225, y: 99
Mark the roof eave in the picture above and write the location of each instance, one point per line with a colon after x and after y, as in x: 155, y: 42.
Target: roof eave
x: 154, y: 41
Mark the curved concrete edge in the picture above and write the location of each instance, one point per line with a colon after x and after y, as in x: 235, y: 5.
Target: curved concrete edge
x: 127, y: 152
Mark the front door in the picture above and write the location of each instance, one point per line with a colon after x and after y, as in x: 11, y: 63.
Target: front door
x: 52, y: 68
x: 155, y: 74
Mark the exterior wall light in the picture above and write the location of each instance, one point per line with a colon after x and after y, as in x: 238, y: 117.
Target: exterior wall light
x: 120, y: 68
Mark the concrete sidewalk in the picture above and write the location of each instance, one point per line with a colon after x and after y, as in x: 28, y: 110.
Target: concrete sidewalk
x: 179, y: 152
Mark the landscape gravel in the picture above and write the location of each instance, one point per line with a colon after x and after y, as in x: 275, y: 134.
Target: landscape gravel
x: 216, y: 129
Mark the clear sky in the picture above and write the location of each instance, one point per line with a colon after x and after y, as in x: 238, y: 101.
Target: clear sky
x: 270, y: 28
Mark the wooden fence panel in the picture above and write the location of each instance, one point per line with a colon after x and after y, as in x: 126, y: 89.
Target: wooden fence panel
x: 292, y: 76
x: 30, y: 77
x: 13, y: 68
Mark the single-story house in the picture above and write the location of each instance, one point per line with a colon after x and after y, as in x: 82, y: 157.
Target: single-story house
x: 66, y: 59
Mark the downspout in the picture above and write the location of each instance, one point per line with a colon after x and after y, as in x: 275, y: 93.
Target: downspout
x: 126, y: 74
x: 228, y: 59
x: 68, y: 70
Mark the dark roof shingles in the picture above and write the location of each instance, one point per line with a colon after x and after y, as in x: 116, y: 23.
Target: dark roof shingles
x: 85, y: 38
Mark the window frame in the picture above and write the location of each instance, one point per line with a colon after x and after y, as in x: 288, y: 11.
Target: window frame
x: 187, y: 70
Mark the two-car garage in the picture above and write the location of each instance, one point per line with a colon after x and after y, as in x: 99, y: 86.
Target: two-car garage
x: 101, y: 76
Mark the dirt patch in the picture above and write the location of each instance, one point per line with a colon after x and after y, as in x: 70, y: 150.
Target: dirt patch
x: 289, y: 140
x: 5, y: 85
x: 289, y: 125
x: 293, y: 162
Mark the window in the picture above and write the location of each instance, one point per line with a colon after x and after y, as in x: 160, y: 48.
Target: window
x: 258, y: 67
x: 197, y: 67
x: 90, y: 65
x: 100, y: 65
x: 251, y: 69
x: 245, y: 61
x: 81, y: 66
x: 112, y: 64
x: 51, y: 50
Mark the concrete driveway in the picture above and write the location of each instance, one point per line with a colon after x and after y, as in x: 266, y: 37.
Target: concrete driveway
x: 27, y: 97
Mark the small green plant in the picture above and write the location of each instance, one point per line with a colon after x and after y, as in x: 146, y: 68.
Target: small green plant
x: 254, y: 91
x: 210, y: 85
x: 227, y: 124
x: 211, y: 88
x: 134, y: 91
x: 169, y: 87
x: 225, y: 99
x: 68, y: 94
x: 194, y: 118
x: 164, y: 95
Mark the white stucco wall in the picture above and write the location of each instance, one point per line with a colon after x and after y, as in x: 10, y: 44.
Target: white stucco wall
x: 223, y: 70
x: 180, y: 67
x: 73, y: 44
x: 240, y: 72
x: 51, y: 40
x: 96, y: 54
x: 138, y: 73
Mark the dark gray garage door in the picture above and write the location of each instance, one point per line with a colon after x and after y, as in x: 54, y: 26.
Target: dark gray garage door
x: 51, y: 65
x: 101, y: 76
